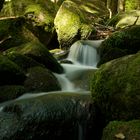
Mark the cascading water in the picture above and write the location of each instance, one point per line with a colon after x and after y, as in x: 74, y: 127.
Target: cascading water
x: 83, y: 54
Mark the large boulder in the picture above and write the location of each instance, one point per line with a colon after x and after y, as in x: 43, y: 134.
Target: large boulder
x: 115, y: 88
x: 122, y: 130
x: 71, y: 24
x: 40, y: 53
x: 10, y: 73
x: 51, y: 116
x: 120, y: 43
x: 40, y: 80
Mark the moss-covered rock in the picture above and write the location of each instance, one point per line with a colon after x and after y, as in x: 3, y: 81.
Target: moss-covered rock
x: 41, y: 80
x: 120, y: 43
x: 124, y: 19
x: 51, y: 116
x: 71, y: 24
x: 40, y: 53
x: 10, y: 92
x: 122, y: 130
x: 10, y: 73
x: 115, y: 88
x: 13, y: 33
x: 18, y: 8
x: 22, y: 61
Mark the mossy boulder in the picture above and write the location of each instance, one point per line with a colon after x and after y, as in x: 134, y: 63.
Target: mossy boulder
x: 115, y: 88
x: 22, y: 61
x: 13, y: 33
x: 39, y: 53
x: 122, y: 130
x: 51, y: 116
x: 40, y: 80
x: 9, y: 92
x: 10, y: 73
x: 125, y: 19
x: 120, y: 43
x: 71, y: 24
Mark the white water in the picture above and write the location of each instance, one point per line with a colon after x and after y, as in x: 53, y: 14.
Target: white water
x: 85, y: 52
x: 84, y: 56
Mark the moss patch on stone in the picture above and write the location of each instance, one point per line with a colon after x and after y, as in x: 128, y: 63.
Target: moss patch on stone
x: 39, y: 53
x: 120, y: 43
x: 10, y: 92
x: 22, y: 61
x: 122, y: 130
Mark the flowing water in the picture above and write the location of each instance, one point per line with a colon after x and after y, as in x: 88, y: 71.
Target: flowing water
x: 84, y: 56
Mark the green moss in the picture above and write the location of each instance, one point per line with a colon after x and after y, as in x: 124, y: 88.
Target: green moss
x: 22, y: 61
x: 39, y: 53
x: 71, y: 24
x: 40, y: 15
x: 40, y: 80
x: 10, y: 92
x: 130, y: 130
x: 115, y: 88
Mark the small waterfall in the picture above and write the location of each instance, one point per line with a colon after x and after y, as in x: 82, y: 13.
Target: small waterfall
x: 85, y: 52
x: 84, y: 55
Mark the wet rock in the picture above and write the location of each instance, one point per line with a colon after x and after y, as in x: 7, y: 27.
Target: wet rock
x: 51, y: 116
